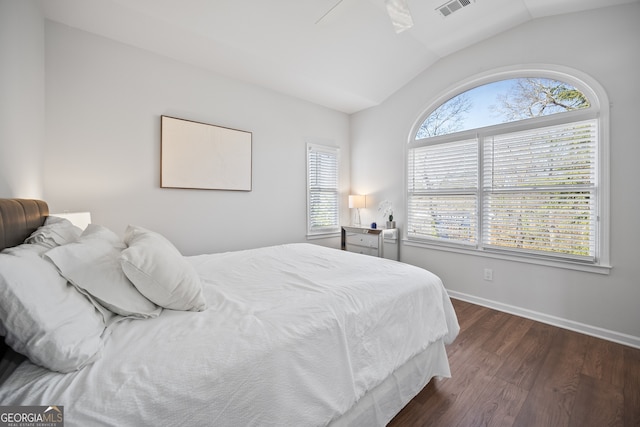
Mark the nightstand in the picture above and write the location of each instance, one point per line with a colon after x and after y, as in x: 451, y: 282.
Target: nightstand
x: 380, y: 242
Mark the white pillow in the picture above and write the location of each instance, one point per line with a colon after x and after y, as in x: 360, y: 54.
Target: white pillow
x: 98, y: 232
x: 55, y: 232
x: 45, y: 318
x: 160, y: 272
x: 92, y: 265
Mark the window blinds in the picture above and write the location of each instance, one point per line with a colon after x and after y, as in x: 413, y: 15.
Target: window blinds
x: 442, y: 192
x: 538, y: 195
x: 540, y: 190
x: 322, y: 189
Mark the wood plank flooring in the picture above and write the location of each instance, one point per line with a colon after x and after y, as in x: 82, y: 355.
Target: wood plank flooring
x: 511, y: 371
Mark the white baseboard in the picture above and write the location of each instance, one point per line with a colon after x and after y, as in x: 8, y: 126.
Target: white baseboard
x: 594, y: 331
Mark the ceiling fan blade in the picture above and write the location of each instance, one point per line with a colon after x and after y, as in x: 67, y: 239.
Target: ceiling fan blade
x: 400, y: 14
x: 329, y: 11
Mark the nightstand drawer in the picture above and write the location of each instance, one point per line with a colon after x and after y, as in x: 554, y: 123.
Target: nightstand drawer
x: 362, y: 250
x: 368, y: 240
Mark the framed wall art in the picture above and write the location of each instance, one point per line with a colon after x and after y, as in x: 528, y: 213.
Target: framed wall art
x: 203, y: 156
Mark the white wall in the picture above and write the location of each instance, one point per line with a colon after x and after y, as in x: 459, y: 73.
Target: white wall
x: 104, y: 100
x: 21, y: 98
x: 602, y: 44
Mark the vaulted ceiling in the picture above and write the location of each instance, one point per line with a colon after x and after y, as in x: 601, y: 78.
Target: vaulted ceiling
x: 348, y: 59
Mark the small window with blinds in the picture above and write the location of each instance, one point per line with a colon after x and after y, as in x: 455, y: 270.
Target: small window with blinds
x: 323, y: 195
x: 520, y: 177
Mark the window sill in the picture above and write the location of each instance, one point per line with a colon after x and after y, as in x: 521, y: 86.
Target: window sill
x: 578, y: 266
x: 323, y: 235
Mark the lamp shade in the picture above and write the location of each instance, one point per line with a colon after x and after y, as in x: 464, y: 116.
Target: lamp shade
x: 357, y: 201
x: 79, y: 219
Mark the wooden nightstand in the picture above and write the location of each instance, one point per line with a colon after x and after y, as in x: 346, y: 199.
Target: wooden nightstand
x: 380, y: 242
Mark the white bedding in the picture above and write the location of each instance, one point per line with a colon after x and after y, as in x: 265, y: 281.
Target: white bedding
x: 293, y: 335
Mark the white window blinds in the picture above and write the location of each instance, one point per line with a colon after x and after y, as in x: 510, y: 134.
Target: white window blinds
x: 322, y: 189
x: 540, y: 190
x: 538, y: 195
x: 442, y: 192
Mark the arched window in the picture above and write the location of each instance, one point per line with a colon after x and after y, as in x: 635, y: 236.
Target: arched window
x: 511, y: 164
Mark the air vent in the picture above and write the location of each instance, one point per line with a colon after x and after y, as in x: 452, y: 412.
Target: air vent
x: 453, y: 6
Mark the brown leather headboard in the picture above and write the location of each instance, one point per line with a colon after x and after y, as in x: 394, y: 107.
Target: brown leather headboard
x: 19, y: 218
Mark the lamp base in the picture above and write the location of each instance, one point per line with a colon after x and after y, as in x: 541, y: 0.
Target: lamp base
x: 357, y: 219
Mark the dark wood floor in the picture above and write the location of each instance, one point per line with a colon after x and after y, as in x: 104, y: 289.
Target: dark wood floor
x: 511, y: 371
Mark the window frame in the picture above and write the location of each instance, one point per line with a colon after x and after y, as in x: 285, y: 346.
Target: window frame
x: 325, y: 231
x: 599, y: 110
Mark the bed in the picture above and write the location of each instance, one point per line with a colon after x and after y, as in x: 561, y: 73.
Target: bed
x: 295, y: 334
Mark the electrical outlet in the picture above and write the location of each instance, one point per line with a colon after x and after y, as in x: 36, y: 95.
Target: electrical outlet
x: 488, y: 274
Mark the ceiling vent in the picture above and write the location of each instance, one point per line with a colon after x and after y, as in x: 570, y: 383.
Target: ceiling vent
x: 453, y: 6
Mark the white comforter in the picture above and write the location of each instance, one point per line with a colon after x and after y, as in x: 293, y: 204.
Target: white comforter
x: 294, y: 335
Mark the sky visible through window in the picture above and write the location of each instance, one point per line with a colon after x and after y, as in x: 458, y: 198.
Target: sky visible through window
x: 502, y: 102
x: 485, y: 99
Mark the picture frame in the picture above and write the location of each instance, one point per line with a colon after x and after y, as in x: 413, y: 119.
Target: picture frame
x: 197, y: 155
